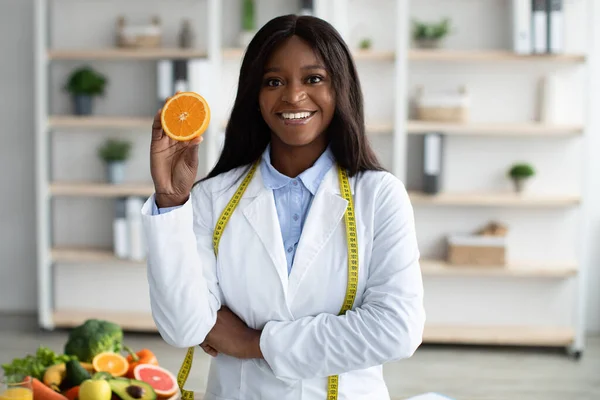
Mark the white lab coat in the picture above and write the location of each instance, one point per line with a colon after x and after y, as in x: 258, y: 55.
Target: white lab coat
x: 303, y: 339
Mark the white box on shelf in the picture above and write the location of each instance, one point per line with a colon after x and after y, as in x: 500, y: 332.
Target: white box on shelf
x: 120, y: 230
x: 137, y: 247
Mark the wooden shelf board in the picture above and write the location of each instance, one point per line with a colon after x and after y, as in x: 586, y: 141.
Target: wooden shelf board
x: 499, y: 335
x: 508, y: 199
x: 375, y: 128
x: 541, y: 270
x: 88, y: 255
x: 494, y: 129
x: 100, y: 122
x: 133, y: 321
x: 380, y: 128
x: 376, y: 55
x: 100, y: 189
x: 382, y: 55
x: 447, y: 55
x: 233, y: 53
x: 413, y: 127
x: 124, y: 54
x: 489, y: 55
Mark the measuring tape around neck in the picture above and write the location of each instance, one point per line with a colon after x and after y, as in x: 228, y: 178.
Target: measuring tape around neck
x: 351, y: 288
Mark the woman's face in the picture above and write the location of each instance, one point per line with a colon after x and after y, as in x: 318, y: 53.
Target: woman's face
x: 296, y: 98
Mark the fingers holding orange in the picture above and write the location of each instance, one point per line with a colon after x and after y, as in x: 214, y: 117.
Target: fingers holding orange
x: 157, y: 132
x: 185, y: 116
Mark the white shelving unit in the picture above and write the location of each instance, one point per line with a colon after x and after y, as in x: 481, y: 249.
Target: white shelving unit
x: 52, y: 54
x: 61, y: 265
x: 474, y: 305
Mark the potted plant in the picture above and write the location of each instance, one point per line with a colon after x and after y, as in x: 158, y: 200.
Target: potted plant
x: 429, y: 35
x: 84, y: 83
x: 365, y: 44
x: 114, y: 153
x: 248, y: 23
x: 520, y: 173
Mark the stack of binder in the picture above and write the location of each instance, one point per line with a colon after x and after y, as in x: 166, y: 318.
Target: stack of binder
x: 538, y: 26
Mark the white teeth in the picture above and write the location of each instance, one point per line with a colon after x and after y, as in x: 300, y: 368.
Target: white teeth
x: 299, y: 115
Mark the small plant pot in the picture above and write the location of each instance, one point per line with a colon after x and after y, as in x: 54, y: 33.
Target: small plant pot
x: 519, y: 184
x: 82, y: 104
x: 115, y: 172
x: 428, y: 43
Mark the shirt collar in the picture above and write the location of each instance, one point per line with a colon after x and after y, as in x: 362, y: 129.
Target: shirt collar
x: 311, y: 178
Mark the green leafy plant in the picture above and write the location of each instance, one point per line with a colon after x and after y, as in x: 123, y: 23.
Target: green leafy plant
x: 33, y: 365
x: 365, y: 44
x: 115, y: 150
x: 430, y: 30
x: 248, y: 21
x: 521, y: 171
x: 86, y: 81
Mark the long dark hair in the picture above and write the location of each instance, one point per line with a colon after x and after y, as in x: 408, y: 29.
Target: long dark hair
x: 247, y: 134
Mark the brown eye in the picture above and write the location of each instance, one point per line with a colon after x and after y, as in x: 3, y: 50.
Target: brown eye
x: 315, y: 79
x: 273, y: 82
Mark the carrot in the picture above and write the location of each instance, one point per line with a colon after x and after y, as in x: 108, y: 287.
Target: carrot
x: 43, y: 392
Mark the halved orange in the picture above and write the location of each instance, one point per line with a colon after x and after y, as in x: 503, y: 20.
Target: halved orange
x: 113, y: 363
x: 185, y: 116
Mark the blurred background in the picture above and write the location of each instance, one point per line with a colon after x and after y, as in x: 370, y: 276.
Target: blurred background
x: 484, y: 108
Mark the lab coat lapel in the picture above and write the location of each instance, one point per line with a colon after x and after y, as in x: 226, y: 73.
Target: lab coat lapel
x: 262, y: 216
x: 326, y: 212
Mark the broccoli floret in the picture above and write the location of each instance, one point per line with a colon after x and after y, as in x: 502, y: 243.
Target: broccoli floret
x: 94, y: 337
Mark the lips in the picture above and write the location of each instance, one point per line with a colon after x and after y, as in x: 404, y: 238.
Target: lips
x: 296, y: 117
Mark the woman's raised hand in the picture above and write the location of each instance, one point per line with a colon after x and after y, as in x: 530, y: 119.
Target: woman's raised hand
x: 173, y: 166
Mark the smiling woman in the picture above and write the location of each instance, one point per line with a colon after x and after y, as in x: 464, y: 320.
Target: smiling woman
x: 297, y: 101
x: 294, y: 263
x: 297, y: 65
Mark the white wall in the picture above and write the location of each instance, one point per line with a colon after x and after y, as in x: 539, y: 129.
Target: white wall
x: 17, y: 163
x: 498, y: 95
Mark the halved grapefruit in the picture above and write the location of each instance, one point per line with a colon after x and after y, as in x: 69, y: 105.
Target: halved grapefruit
x: 163, y: 381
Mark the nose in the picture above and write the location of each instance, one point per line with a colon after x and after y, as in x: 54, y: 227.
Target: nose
x: 293, y: 93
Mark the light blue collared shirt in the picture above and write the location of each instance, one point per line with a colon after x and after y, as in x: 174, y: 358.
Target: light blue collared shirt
x: 293, y: 197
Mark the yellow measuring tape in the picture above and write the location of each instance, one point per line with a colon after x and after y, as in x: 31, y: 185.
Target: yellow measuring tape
x: 351, y: 238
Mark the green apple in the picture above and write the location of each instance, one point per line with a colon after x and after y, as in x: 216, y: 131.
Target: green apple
x: 95, y: 390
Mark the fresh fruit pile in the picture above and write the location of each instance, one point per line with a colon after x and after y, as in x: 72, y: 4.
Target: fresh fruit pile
x: 93, y: 368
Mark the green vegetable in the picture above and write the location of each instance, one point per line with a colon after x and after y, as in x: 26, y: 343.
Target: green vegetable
x: 93, y: 337
x: 33, y: 365
x: 76, y: 373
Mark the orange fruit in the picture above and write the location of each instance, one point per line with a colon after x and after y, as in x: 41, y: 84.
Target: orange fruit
x: 185, y: 116
x: 113, y: 363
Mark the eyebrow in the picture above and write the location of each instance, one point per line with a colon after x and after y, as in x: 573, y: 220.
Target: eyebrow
x: 306, y: 67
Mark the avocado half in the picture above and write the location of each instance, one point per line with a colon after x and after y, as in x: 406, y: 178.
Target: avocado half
x: 132, y: 389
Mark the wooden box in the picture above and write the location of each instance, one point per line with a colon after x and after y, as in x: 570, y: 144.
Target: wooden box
x: 139, y: 36
x: 477, y: 250
x: 442, y: 106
